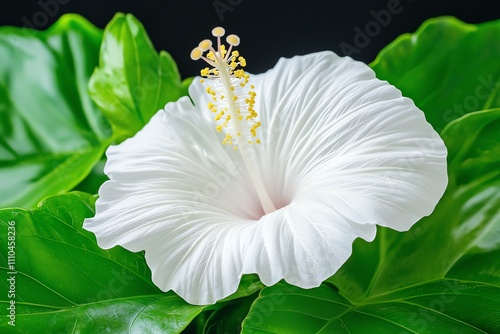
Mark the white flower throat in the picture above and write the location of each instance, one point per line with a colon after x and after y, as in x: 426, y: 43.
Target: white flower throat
x: 232, y: 103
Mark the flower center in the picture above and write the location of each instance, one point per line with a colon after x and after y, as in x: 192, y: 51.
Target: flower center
x: 232, y: 102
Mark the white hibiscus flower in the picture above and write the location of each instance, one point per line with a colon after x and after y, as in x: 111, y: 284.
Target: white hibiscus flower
x: 300, y: 162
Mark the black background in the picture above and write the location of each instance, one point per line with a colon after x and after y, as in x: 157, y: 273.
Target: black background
x: 268, y: 29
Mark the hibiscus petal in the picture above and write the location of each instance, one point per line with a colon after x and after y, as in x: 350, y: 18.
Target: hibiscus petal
x: 350, y: 141
x: 304, y: 243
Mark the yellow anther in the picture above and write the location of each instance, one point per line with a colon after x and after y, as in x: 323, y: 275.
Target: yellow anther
x: 196, y: 54
x: 205, y: 44
x: 235, y: 98
x: 242, y: 61
x: 223, y: 50
x: 210, y: 55
x: 205, y: 72
x: 219, y: 116
x: 218, y: 128
x: 212, y: 107
x: 218, y: 31
x: 239, y: 74
x: 235, y: 54
x: 258, y: 141
x: 233, y: 40
x: 228, y: 139
x: 210, y: 91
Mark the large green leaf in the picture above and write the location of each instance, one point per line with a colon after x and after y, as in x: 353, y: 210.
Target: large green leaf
x: 141, y: 314
x: 65, y: 280
x: 449, y: 68
x: 436, y: 307
x: 133, y: 81
x: 51, y: 133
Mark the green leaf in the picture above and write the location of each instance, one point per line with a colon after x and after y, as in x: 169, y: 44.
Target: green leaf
x: 94, y: 179
x: 227, y: 314
x: 249, y: 284
x: 441, y: 306
x: 51, y: 133
x: 133, y: 81
x: 65, y: 282
x: 142, y: 314
x: 228, y: 319
x: 449, y: 68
